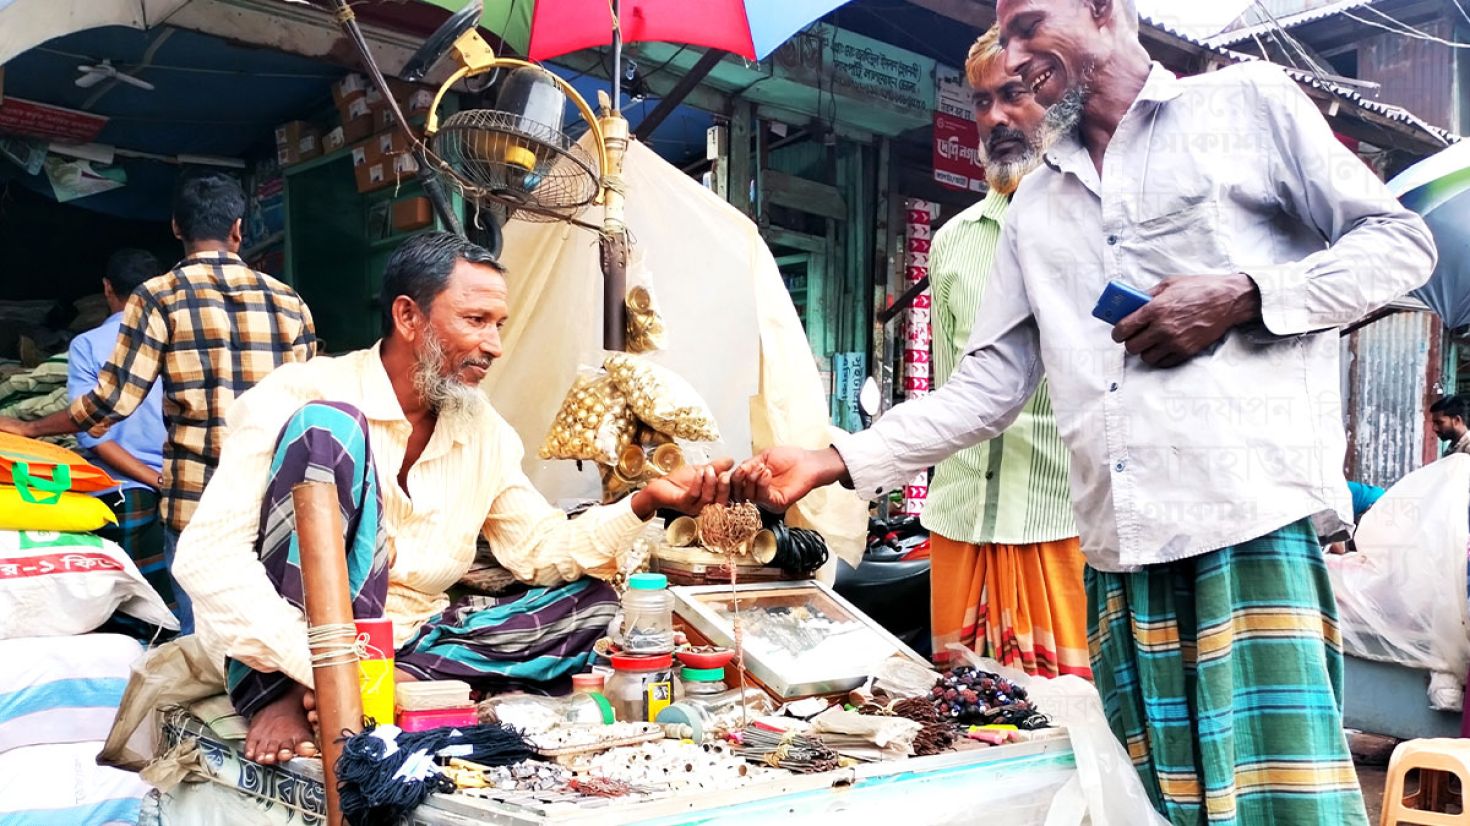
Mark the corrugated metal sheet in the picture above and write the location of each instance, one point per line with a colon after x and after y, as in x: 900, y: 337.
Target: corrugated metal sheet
x: 1395, y: 368
x: 1415, y: 74
x: 1396, y: 113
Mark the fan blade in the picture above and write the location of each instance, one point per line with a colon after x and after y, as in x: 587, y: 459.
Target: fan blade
x: 90, y: 79
x: 439, y: 42
x: 136, y: 81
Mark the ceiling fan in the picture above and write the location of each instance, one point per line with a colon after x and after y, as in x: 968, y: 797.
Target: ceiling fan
x: 93, y: 75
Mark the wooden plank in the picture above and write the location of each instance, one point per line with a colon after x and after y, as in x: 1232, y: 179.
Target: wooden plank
x: 776, y: 236
x: 741, y: 113
x: 799, y: 193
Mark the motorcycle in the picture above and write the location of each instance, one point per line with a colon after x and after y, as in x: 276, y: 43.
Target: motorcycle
x: 891, y: 583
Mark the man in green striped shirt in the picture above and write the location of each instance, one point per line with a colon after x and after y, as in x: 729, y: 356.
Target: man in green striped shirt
x: 1007, y: 565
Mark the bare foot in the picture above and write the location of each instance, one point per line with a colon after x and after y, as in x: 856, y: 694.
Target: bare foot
x: 280, y: 731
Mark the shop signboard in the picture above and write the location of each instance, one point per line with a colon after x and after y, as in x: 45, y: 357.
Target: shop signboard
x: 841, y: 64
x: 41, y: 120
x: 957, y: 153
x: 952, y: 93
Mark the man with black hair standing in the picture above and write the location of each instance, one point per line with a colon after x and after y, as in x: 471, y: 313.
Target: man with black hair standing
x: 210, y: 328
x: 1448, y: 416
x: 132, y: 451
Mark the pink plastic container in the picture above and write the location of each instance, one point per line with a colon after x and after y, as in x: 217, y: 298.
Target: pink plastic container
x: 437, y: 718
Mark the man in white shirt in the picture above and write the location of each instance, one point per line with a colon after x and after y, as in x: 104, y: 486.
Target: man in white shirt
x: 423, y: 466
x: 1205, y: 429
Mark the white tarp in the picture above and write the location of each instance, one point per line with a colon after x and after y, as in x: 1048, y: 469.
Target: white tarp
x: 25, y: 24
x: 732, y: 333
x: 1402, y: 597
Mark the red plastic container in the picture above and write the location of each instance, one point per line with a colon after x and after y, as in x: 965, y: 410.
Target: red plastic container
x: 437, y: 718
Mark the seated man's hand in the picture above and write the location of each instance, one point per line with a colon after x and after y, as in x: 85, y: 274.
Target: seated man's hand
x: 781, y: 476
x: 1187, y: 315
x: 687, y: 489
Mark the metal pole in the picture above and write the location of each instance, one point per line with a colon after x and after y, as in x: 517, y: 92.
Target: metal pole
x: 617, y: 44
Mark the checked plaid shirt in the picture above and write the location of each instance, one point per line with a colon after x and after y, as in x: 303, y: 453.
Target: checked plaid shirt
x: 211, y: 328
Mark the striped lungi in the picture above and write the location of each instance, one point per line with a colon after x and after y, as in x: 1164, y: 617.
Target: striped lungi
x: 1023, y: 605
x: 1222, y: 674
x: 140, y: 534
x: 538, y: 636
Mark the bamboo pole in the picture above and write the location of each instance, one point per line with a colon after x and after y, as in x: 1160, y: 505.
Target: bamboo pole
x: 328, y: 602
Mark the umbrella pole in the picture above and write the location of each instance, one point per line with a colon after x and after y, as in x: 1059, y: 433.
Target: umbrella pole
x: 614, y: 241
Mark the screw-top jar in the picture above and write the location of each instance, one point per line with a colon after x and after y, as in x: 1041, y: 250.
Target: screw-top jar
x: 700, y: 683
x: 640, y: 687
x: 648, y: 615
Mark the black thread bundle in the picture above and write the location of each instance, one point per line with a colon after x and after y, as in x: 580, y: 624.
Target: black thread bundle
x: 798, y: 550
x: 372, y: 794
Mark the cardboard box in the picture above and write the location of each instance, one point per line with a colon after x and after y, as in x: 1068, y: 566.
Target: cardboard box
x: 391, y: 142
x: 348, y: 89
x: 363, y: 154
x: 372, y: 176
x: 333, y: 140
x: 297, y: 141
x: 411, y: 214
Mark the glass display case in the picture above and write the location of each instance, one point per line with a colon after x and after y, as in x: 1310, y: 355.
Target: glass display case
x: 800, y: 638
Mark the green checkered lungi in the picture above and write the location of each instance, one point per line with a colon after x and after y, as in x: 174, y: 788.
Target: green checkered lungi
x: 1222, y: 675
x: 139, y: 532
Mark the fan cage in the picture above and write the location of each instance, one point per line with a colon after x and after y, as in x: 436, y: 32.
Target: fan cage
x: 535, y: 172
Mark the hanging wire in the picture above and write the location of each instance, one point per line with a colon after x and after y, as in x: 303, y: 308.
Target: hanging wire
x: 1404, y: 29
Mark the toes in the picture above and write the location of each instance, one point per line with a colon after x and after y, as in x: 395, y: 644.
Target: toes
x: 285, y: 755
x: 308, y: 700
x: 306, y: 748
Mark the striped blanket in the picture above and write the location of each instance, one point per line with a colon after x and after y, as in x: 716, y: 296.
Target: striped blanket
x: 1222, y: 674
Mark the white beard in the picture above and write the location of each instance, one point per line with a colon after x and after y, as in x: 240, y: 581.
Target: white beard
x: 446, y: 396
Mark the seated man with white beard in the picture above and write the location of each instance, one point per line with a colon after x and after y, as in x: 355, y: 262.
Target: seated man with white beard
x: 422, y: 465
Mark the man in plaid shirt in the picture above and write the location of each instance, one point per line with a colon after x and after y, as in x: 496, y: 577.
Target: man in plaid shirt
x: 211, y: 328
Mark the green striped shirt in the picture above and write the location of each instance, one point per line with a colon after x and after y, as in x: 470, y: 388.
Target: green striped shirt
x: 1012, y: 489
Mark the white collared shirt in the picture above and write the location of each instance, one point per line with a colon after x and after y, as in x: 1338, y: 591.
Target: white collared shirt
x: 1231, y: 171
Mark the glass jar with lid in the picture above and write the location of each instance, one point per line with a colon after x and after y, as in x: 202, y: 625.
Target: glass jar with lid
x: 640, y: 687
x: 647, y: 615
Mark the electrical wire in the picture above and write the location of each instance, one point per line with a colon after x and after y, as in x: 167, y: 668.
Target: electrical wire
x: 1405, y: 29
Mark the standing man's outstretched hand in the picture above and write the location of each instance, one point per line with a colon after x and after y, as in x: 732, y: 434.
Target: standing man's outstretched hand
x: 781, y: 476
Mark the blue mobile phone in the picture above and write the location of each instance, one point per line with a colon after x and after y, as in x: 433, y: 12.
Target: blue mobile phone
x: 1118, y: 301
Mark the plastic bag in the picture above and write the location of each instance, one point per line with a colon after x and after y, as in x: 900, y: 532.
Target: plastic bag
x: 645, y: 324
x: 662, y: 399
x: 900, y: 676
x: 594, y: 422
x: 1402, y: 597
x: 63, y: 584
x: 1107, y: 790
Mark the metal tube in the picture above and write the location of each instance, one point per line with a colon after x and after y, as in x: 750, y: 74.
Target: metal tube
x: 617, y: 44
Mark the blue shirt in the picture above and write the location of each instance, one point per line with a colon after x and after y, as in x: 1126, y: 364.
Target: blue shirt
x: 141, y: 434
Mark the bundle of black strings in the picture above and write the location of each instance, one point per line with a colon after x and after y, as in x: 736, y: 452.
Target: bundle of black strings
x: 798, y: 551
x: 384, y: 773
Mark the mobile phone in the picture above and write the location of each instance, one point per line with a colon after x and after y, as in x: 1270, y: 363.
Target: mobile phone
x: 1118, y: 301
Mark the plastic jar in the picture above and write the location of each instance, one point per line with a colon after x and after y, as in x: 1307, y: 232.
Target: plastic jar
x: 702, y: 683
x: 640, y: 687
x: 535, y: 713
x: 648, y: 615
x: 589, y: 683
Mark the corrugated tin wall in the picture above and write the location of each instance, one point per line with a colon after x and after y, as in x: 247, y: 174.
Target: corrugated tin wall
x: 1416, y: 74
x: 1395, y: 369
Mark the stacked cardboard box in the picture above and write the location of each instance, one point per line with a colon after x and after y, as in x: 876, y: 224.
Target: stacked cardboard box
x: 297, y: 141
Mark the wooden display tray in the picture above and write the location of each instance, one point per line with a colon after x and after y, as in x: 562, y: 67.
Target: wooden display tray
x: 697, y: 566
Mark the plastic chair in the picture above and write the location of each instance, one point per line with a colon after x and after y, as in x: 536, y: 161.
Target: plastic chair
x: 1436, y: 759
